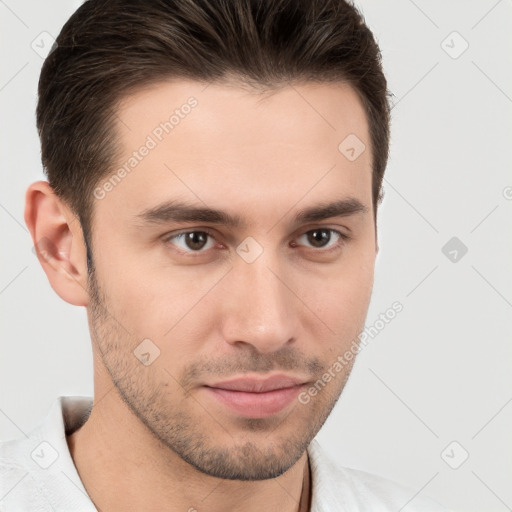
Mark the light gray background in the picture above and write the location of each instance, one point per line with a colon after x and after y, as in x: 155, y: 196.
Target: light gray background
x: 441, y: 370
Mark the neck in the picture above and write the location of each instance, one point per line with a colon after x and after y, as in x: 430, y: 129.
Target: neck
x: 124, y: 467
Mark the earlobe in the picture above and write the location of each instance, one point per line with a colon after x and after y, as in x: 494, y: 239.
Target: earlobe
x: 58, y: 242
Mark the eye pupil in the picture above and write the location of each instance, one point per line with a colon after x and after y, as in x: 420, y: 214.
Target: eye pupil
x: 196, y: 240
x: 317, y: 237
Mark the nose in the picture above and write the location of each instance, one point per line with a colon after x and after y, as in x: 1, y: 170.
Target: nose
x: 258, y: 306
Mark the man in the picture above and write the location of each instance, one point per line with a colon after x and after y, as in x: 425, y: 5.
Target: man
x: 214, y: 175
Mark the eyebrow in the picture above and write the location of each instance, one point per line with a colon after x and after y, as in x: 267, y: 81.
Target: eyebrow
x: 178, y: 211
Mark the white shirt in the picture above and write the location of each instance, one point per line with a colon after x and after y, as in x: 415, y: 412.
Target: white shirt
x: 37, y: 474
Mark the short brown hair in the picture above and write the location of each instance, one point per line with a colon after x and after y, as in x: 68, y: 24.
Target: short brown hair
x: 109, y: 48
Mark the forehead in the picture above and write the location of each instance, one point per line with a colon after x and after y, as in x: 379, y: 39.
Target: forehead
x: 228, y: 113
x: 214, y: 143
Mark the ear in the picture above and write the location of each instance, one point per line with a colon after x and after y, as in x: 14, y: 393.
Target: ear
x: 58, y: 242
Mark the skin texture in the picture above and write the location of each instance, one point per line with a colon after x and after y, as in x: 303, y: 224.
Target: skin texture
x: 156, y: 438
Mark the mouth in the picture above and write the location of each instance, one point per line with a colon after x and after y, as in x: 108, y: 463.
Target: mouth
x: 256, y: 398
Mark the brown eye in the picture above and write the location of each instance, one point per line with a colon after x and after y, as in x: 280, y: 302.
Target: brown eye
x: 191, y: 241
x: 321, y: 238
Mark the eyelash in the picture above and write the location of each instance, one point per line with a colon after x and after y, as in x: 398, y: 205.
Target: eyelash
x: 343, y: 238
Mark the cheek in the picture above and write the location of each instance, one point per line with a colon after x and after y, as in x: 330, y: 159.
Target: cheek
x: 150, y: 299
x: 343, y: 306
x: 131, y: 290
x: 340, y: 297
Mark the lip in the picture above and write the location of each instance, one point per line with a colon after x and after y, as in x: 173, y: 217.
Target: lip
x: 255, y: 385
x: 256, y: 398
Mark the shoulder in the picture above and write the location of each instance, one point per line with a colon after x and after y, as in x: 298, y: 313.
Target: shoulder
x: 37, y: 472
x: 356, y: 490
x: 18, y: 489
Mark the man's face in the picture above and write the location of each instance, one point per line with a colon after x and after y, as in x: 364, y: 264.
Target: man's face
x: 273, y: 296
